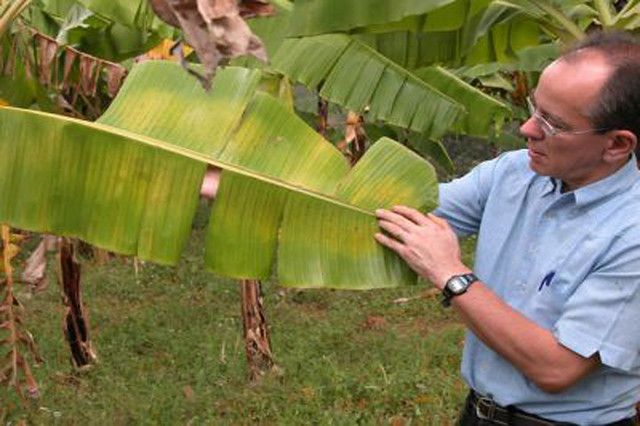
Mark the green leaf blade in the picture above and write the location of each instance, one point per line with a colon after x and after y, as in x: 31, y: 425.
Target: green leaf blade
x: 120, y: 189
x: 349, y: 83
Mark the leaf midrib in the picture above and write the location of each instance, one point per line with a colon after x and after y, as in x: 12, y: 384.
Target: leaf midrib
x: 194, y: 155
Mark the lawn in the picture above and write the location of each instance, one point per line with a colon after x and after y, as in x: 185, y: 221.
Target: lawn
x: 170, y: 349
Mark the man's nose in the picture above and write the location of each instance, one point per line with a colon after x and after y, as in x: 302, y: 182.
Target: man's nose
x: 530, y: 129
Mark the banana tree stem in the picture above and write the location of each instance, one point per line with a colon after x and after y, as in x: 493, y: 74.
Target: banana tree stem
x: 256, y: 332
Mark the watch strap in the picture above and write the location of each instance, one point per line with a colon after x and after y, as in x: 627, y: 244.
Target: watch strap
x: 447, y: 294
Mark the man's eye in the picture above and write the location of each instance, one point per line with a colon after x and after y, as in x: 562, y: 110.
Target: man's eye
x: 558, y: 126
x: 555, y: 124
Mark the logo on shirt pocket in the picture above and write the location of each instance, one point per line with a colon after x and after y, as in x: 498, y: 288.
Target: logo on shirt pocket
x: 546, y: 281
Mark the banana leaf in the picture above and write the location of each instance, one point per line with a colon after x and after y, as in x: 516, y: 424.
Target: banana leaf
x: 479, y: 40
x: 272, y: 30
x: 313, y: 17
x: 357, y: 77
x: 103, y: 32
x: 130, y: 181
x: 431, y: 101
x: 130, y: 13
x: 485, y: 114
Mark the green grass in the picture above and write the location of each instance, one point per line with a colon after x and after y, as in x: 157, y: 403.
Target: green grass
x: 170, y: 351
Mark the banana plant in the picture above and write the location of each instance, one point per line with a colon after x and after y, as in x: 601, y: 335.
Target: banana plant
x: 418, y: 33
x: 569, y: 20
x: 356, y: 49
x: 562, y: 22
x: 129, y: 182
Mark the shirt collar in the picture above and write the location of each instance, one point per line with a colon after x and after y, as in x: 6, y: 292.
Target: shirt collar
x: 621, y: 180
x: 551, y: 185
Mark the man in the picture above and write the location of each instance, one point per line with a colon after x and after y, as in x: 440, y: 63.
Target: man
x: 554, y: 306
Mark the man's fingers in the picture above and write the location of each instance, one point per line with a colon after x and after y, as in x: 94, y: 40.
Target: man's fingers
x: 392, y: 229
x: 412, y: 214
x: 396, y: 218
x: 387, y: 241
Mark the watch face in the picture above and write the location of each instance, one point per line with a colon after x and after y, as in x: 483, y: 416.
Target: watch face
x: 457, y: 285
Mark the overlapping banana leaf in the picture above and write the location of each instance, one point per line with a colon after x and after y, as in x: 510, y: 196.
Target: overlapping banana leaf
x: 130, y: 182
x: 130, y: 13
x: 419, y: 34
x: 467, y: 45
x: 359, y: 78
x: 113, y: 30
x: 484, y: 113
x: 313, y: 17
x: 356, y: 76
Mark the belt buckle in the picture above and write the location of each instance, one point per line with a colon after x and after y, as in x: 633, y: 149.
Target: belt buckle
x: 491, y: 407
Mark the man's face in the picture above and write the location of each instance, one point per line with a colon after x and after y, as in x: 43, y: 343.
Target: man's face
x: 565, y: 92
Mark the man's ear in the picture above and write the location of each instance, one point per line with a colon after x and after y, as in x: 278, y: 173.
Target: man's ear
x: 620, y: 144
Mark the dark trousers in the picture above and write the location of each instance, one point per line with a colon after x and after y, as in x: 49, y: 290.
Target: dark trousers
x: 469, y: 417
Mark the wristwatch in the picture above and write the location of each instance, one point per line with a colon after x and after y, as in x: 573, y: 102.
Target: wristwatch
x: 455, y: 286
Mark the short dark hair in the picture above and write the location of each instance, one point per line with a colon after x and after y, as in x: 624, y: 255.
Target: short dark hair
x: 618, y: 106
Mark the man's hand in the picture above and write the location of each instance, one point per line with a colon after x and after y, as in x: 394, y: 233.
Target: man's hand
x: 426, y: 243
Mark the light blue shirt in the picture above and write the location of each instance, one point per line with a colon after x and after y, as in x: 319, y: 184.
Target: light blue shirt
x: 569, y: 262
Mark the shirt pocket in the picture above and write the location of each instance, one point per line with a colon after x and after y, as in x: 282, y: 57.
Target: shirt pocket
x: 549, y: 297
x: 558, y: 279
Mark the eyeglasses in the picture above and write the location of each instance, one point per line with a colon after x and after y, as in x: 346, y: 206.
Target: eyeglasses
x: 551, y: 130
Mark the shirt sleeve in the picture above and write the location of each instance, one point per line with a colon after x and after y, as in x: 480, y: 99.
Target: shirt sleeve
x: 462, y: 200
x: 603, y: 314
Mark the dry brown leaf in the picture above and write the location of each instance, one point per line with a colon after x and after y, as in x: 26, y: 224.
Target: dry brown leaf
x: 354, y: 137
x: 253, y: 8
x: 165, y: 11
x: 216, y: 9
x: 115, y: 77
x: 9, y: 65
x: 47, y: 50
x: 214, y: 28
x: 12, y: 321
x: 35, y: 268
x: 89, y: 74
x: 69, y: 59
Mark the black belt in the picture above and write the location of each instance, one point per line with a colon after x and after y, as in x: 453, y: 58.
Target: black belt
x: 486, y: 409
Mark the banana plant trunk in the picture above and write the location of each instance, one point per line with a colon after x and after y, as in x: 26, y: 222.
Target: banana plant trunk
x: 323, y: 116
x: 76, y: 324
x: 256, y: 333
